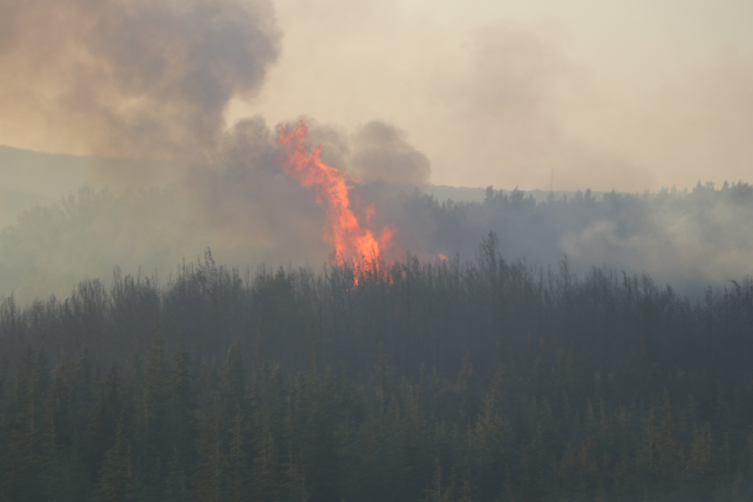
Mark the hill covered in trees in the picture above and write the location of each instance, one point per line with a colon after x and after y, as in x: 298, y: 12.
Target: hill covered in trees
x: 427, y: 380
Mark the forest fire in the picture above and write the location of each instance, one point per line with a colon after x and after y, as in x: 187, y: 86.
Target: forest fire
x: 354, y: 242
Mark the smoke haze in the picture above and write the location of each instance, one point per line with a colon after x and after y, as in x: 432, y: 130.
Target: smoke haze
x: 687, y: 239
x: 131, y: 78
x: 241, y: 205
x: 631, y: 96
x: 141, y: 92
x: 250, y: 213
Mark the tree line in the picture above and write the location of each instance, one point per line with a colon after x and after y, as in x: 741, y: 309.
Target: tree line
x: 485, y: 380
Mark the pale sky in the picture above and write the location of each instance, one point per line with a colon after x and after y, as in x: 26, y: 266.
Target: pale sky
x: 632, y: 95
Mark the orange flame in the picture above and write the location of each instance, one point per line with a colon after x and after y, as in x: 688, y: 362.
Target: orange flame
x: 353, y: 242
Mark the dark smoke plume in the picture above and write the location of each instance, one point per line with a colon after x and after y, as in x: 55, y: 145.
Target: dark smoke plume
x: 132, y: 78
x: 381, y: 153
x: 144, y: 87
x: 241, y: 205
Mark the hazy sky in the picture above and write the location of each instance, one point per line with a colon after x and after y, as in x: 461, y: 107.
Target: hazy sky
x: 631, y: 95
x: 628, y: 95
x: 185, y: 94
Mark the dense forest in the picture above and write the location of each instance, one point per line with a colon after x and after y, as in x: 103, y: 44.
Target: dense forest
x: 423, y: 380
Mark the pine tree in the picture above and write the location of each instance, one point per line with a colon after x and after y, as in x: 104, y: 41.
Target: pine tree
x: 623, y: 472
x: 272, y: 481
x: 316, y: 439
x: 275, y: 474
x: 490, y: 442
x: 237, y: 460
x: 184, y: 427
x: 153, y: 419
x: 234, y: 423
x: 666, y: 444
x: 208, y: 480
x: 701, y: 455
x: 105, y: 416
x: 438, y: 491
x: 534, y: 482
x: 67, y: 477
x: 117, y: 483
x: 30, y: 436
x: 647, y: 453
x: 566, y: 470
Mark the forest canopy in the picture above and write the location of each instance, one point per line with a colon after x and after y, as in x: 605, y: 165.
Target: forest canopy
x: 426, y: 380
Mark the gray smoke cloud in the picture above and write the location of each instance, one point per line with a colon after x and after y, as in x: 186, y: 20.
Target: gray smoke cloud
x: 144, y: 86
x: 687, y: 239
x: 241, y: 204
x: 133, y: 78
x: 141, y: 88
x: 382, y: 154
x: 249, y: 212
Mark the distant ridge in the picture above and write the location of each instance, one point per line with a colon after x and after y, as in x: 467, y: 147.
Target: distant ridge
x: 478, y: 194
x: 29, y: 178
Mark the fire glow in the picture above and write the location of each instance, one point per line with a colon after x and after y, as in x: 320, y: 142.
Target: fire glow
x: 354, y: 242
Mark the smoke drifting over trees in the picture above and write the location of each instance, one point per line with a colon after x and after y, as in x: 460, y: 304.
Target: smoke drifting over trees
x: 241, y: 204
x: 250, y: 213
x: 687, y: 239
x: 145, y: 86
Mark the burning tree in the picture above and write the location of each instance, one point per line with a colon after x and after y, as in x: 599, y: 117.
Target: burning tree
x: 353, y: 240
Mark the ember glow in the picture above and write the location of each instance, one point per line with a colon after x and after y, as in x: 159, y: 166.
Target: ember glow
x: 353, y: 240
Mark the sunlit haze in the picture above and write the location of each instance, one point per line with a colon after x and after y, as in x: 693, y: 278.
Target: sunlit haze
x: 629, y: 96
x: 176, y: 109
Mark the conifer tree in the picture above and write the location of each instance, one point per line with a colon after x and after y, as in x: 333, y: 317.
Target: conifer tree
x: 208, y: 479
x: 29, y: 433
x: 184, y: 426
x: 153, y: 421
x: 274, y: 472
x: 490, y: 439
x: 700, y: 458
x: 103, y: 421
x: 117, y: 481
x: 666, y: 443
x: 437, y: 490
